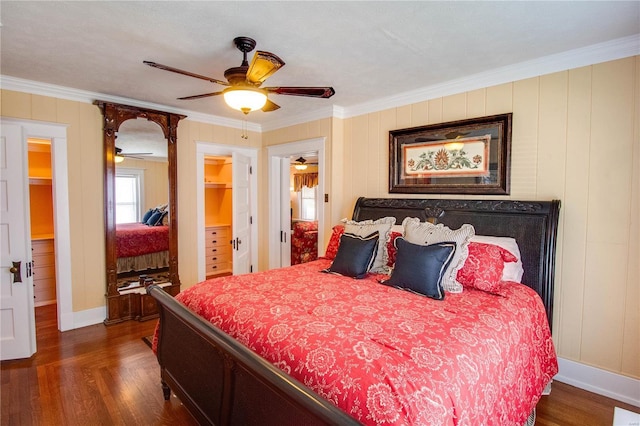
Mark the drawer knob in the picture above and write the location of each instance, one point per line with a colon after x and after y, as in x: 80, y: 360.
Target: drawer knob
x: 214, y: 241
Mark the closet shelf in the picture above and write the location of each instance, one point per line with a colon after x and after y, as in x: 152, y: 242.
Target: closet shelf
x: 222, y: 185
x: 36, y: 180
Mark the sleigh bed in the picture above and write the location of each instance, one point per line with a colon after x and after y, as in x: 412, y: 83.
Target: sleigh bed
x: 339, y: 350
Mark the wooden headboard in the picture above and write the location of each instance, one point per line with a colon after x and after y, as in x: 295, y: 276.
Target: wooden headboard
x: 534, y: 225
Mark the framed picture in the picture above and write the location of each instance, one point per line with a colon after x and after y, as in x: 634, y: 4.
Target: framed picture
x: 459, y: 157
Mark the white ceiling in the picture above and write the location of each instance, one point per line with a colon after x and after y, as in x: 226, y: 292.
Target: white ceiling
x: 368, y: 51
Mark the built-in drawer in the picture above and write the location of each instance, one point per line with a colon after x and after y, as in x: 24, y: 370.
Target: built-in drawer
x: 217, y: 237
x: 218, y: 259
x: 44, y: 271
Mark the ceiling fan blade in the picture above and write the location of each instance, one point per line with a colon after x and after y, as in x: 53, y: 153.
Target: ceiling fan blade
x: 270, y: 106
x: 263, y: 65
x: 204, y: 95
x: 313, y: 92
x: 187, y: 73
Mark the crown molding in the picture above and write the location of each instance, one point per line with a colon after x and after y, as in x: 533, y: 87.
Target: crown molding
x: 590, y: 55
x: 318, y: 114
x: 602, y: 52
x: 71, y: 94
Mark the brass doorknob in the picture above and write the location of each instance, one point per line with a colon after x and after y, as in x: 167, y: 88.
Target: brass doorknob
x: 15, y: 270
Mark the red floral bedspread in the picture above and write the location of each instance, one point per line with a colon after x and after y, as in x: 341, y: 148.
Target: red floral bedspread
x: 386, y: 356
x: 136, y: 239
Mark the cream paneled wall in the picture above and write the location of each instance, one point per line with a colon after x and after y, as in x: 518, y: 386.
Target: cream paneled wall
x: 84, y: 157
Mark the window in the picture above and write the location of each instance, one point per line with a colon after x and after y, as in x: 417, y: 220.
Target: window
x: 129, y: 195
x: 307, y: 198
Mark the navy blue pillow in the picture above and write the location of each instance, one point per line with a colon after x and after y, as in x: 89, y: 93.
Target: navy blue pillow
x: 147, y: 215
x: 155, y: 218
x: 420, y: 268
x: 355, y: 255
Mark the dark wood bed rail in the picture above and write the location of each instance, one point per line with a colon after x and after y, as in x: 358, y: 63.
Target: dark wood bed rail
x: 230, y: 384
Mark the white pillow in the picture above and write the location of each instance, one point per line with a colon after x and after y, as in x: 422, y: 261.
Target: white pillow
x: 425, y: 233
x: 513, y: 271
x: 367, y: 227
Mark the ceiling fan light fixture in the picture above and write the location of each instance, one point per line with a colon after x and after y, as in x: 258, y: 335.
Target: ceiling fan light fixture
x: 118, y: 158
x: 300, y: 165
x: 245, y: 99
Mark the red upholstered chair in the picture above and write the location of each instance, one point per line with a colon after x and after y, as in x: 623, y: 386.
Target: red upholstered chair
x: 304, y: 242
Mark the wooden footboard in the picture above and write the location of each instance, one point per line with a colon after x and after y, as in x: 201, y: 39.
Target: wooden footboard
x: 222, y: 382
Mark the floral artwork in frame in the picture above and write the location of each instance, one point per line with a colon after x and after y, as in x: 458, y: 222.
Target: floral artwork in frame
x: 462, y: 157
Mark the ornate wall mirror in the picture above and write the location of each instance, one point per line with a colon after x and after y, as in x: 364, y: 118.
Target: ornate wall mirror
x: 153, y: 136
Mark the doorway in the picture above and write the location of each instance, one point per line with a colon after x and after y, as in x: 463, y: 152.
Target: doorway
x: 41, y: 203
x: 280, y: 161
x: 56, y: 137
x: 234, y: 215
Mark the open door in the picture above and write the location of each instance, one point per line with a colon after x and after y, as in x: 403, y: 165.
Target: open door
x: 285, y: 218
x: 241, y: 224
x: 17, y: 318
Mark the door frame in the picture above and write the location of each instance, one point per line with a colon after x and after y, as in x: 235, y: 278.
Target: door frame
x: 276, y: 216
x: 57, y: 134
x: 210, y: 148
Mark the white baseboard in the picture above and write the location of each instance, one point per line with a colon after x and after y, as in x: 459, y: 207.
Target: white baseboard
x: 89, y: 317
x: 596, y: 380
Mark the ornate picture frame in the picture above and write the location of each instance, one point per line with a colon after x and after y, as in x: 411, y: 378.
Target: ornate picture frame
x: 459, y: 157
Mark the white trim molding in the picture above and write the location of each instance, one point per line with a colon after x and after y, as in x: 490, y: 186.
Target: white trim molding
x: 87, y: 317
x: 596, y: 380
x: 77, y: 95
x: 601, y: 52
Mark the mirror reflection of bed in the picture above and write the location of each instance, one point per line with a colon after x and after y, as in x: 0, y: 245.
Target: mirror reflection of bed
x: 304, y: 219
x: 142, y: 191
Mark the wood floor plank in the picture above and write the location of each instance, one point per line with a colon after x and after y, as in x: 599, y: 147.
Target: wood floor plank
x: 100, y: 375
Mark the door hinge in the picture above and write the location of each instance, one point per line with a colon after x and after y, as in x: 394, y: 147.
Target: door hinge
x: 250, y: 268
x: 250, y: 220
x: 250, y: 170
x: 29, y: 269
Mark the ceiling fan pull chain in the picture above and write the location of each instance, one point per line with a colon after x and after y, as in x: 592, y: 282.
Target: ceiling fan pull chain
x: 244, y: 134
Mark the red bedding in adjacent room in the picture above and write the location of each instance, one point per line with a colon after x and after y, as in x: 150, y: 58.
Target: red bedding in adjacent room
x: 136, y: 239
x: 386, y: 356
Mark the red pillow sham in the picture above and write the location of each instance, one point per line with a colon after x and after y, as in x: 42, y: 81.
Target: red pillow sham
x: 334, y: 242
x: 483, y: 268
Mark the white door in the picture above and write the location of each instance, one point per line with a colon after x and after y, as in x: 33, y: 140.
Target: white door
x: 17, y: 318
x: 285, y: 218
x: 241, y: 199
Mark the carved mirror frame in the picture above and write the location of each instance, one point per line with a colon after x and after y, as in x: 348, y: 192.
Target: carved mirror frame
x: 123, y: 307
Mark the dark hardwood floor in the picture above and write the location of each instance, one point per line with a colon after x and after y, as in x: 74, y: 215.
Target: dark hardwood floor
x: 95, y: 375
x: 100, y: 375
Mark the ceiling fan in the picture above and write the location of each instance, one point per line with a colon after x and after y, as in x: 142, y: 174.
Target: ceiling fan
x: 243, y: 83
x: 120, y: 156
x: 302, y: 164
